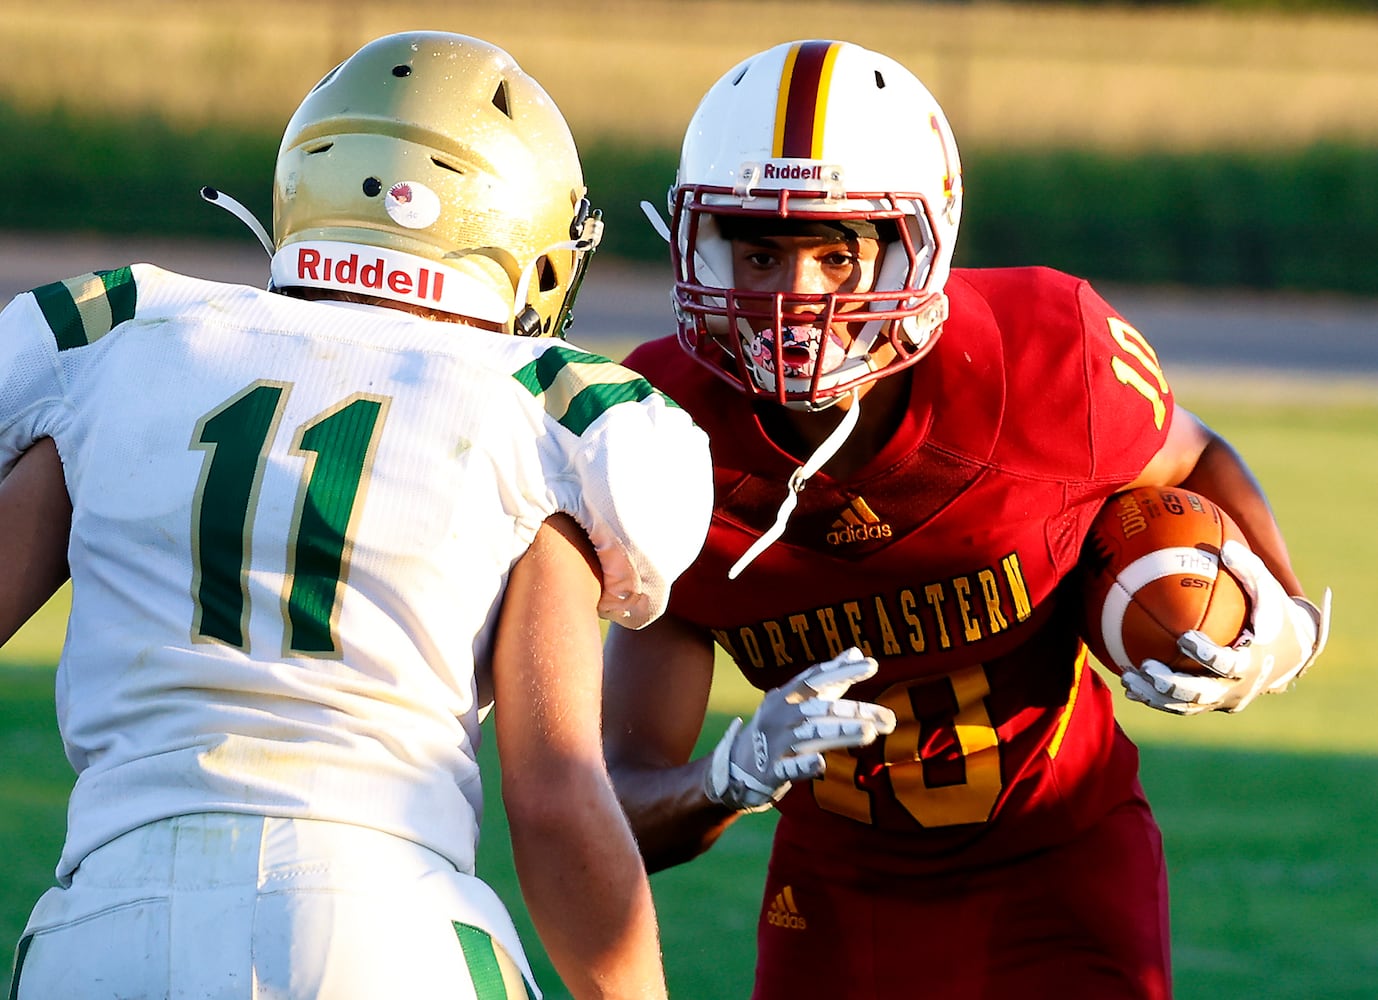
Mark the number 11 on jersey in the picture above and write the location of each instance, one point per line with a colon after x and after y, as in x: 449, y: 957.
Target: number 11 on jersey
x: 337, y: 447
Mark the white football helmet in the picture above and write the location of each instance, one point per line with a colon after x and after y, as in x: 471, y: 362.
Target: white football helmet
x: 808, y: 132
x: 429, y: 169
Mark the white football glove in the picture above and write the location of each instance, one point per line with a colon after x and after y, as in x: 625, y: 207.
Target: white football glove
x: 1284, y: 636
x: 754, y: 765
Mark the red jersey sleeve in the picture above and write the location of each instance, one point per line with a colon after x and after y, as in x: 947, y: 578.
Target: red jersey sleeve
x: 1130, y: 401
x: 1085, y: 397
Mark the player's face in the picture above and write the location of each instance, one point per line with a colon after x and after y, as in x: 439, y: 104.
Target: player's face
x: 811, y: 266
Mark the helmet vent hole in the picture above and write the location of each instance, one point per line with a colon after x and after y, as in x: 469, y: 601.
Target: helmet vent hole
x: 372, y: 186
x: 880, y: 81
x: 326, y: 79
x: 545, y: 275
x: 401, y: 70
x: 323, y: 147
x: 740, y: 75
x: 500, y: 99
x: 445, y: 166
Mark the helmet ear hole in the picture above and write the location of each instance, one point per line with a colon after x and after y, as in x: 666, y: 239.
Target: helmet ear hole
x: 546, y: 279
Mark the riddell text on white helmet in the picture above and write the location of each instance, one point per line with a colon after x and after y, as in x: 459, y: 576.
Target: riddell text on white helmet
x: 792, y: 172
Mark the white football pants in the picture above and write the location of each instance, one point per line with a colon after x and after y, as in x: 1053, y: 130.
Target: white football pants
x: 215, y: 905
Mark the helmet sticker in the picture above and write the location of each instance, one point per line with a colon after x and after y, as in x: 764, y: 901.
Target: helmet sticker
x: 412, y: 204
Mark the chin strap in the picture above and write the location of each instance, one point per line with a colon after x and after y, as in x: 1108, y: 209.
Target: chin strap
x: 830, y: 446
x: 526, y: 322
x: 241, y: 213
x: 657, y: 223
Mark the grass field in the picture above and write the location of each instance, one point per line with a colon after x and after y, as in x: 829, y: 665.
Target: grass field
x: 1108, y: 76
x: 1270, y: 817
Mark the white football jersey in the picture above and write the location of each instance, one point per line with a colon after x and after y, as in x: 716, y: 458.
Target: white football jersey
x: 292, y: 526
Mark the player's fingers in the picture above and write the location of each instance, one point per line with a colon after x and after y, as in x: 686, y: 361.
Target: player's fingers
x: 1223, y: 661
x: 882, y: 717
x: 846, y: 708
x: 799, y: 767
x: 1157, y: 675
x: 821, y: 735
x: 1208, y: 692
x: 1137, y: 688
x: 1166, y: 681
x: 832, y: 678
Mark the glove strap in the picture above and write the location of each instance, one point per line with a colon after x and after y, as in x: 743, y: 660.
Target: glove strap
x: 718, y: 785
x: 716, y: 778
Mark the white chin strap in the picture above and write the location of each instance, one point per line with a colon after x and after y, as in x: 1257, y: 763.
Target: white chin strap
x: 241, y: 213
x: 830, y: 446
x: 590, y: 235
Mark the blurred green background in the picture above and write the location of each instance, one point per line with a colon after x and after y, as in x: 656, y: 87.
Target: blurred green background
x: 1213, y: 144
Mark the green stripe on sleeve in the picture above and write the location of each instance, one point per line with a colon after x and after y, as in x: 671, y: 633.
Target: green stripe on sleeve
x: 81, y: 310
x: 577, y: 388
x: 123, y: 293
x: 538, y: 375
x: 60, y: 312
x: 592, y: 402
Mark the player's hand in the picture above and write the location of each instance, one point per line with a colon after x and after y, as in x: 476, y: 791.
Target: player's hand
x: 1284, y: 636
x: 754, y: 764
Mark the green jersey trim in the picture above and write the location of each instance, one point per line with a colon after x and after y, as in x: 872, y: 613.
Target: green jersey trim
x: 577, y: 388
x: 81, y: 310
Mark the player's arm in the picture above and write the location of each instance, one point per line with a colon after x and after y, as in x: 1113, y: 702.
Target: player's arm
x: 655, y: 699
x: 581, y: 875
x: 36, y: 514
x: 1196, y: 458
x: 1286, y: 631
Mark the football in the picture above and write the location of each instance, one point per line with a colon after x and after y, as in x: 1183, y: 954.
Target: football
x: 1150, y: 570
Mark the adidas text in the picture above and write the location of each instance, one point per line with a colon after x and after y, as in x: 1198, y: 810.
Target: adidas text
x: 849, y: 534
x: 783, y: 913
x: 789, y: 921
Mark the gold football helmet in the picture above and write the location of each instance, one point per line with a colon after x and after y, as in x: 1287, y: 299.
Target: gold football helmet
x: 429, y: 169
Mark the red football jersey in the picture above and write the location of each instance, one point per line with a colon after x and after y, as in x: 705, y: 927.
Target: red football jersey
x: 942, y: 558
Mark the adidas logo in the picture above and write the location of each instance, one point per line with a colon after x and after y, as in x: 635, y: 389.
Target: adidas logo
x: 783, y: 912
x: 857, y: 523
